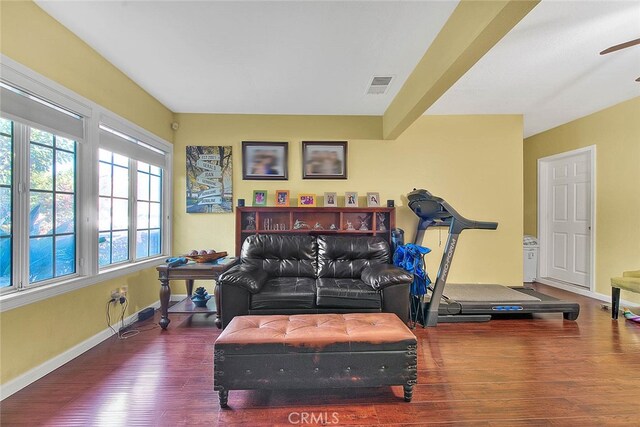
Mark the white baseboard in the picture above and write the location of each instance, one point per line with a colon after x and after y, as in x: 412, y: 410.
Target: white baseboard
x: 583, y: 292
x: 20, y: 382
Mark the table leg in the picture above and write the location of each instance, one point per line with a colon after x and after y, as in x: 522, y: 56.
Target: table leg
x: 216, y: 291
x: 165, y: 295
x: 189, y: 283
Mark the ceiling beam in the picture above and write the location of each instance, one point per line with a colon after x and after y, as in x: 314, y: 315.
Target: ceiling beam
x: 471, y: 31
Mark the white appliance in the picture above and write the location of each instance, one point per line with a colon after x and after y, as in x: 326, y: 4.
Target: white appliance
x: 530, y: 254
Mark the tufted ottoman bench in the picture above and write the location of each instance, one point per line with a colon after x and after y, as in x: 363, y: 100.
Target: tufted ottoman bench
x: 314, y: 351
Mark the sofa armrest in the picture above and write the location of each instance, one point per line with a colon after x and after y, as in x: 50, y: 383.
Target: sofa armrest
x: 382, y: 275
x: 631, y: 273
x: 244, y: 276
x: 395, y: 299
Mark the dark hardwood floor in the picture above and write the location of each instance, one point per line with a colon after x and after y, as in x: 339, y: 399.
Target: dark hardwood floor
x: 527, y: 372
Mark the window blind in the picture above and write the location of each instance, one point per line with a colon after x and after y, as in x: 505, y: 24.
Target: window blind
x: 31, y: 110
x: 125, y: 145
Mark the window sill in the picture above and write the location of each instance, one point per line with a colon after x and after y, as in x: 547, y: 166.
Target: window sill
x: 20, y: 298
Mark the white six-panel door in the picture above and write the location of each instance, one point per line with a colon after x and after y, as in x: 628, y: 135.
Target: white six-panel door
x: 567, y: 216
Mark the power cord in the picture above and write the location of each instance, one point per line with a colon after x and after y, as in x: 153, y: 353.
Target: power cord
x: 124, y: 303
x: 109, y: 315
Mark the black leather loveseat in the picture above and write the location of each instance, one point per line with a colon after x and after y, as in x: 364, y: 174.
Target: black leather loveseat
x: 294, y: 274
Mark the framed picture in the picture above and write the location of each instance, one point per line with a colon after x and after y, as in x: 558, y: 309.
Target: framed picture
x: 209, y: 179
x: 282, y: 198
x: 351, y: 199
x: 259, y: 197
x: 373, y: 200
x: 307, y: 200
x: 265, y: 160
x: 324, y: 160
x: 330, y: 200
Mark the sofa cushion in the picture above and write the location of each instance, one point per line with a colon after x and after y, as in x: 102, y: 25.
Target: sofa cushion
x: 314, y: 333
x: 346, y: 292
x: 346, y: 257
x: 285, y: 292
x: 281, y: 255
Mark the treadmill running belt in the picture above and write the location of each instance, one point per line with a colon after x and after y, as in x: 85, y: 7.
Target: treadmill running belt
x: 485, y: 293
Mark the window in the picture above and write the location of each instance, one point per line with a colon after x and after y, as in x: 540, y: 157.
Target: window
x: 6, y: 211
x: 131, y: 174
x: 49, y: 163
x: 52, y: 200
x: 113, y: 237
x: 38, y: 147
x: 81, y: 191
x: 148, y: 232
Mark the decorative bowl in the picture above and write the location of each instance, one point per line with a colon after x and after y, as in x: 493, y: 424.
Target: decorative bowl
x: 201, y: 302
x: 206, y: 257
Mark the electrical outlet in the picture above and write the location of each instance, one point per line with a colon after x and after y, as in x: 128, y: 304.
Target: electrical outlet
x: 119, y: 292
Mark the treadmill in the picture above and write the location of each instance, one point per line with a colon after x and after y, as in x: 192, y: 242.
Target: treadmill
x: 471, y: 302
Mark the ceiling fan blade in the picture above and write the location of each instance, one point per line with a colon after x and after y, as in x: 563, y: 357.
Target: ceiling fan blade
x: 620, y: 46
x: 638, y: 79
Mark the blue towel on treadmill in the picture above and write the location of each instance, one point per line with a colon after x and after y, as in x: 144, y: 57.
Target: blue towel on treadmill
x: 175, y: 261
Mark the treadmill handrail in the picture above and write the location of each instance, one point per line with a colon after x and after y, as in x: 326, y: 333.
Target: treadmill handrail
x: 467, y: 224
x: 447, y: 213
x: 486, y: 225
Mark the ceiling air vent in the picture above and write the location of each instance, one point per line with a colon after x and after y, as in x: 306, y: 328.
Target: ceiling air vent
x: 379, y: 85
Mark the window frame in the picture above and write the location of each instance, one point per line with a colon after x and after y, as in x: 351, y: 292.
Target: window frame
x: 129, y: 211
x: 149, y: 202
x: 54, y: 192
x: 12, y: 202
x: 88, y: 271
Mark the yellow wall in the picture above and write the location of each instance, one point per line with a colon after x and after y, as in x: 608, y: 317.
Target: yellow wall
x: 615, y: 132
x: 33, y: 334
x: 36, y: 40
x: 474, y: 162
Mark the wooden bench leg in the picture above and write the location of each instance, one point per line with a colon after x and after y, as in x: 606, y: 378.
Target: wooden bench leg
x: 223, y: 395
x: 408, y: 392
x: 615, y: 302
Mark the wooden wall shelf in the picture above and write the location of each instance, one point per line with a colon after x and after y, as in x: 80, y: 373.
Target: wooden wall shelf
x: 271, y: 220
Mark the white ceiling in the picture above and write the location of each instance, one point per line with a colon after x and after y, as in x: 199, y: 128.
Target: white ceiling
x: 269, y: 57
x: 318, y: 57
x: 549, y: 67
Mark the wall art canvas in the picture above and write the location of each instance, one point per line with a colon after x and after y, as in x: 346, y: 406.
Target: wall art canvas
x: 209, y: 179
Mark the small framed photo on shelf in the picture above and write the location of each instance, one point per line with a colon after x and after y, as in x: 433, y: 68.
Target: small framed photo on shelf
x: 307, y: 200
x: 330, y: 200
x: 351, y: 199
x: 282, y: 198
x: 265, y: 160
x: 373, y: 200
x: 324, y: 160
x: 259, y: 197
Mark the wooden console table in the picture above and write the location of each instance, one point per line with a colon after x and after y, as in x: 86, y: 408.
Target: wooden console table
x: 189, y: 273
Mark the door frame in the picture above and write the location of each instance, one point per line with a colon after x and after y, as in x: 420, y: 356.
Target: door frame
x: 543, y: 206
